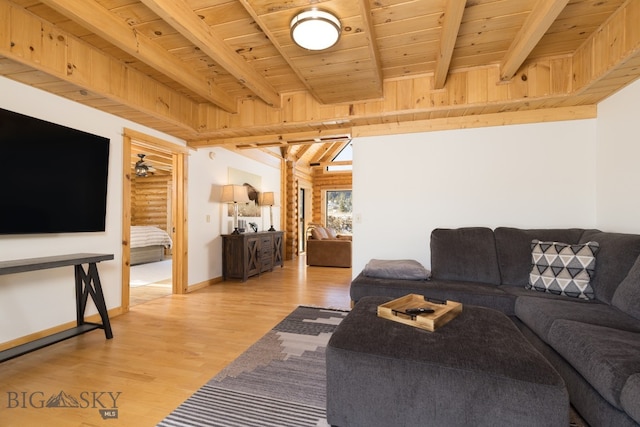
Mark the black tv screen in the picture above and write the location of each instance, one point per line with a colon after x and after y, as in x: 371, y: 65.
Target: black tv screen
x: 53, y: 179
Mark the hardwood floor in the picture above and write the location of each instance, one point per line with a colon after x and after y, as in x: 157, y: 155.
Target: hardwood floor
x: 146, y: 293
x: 150, y: 281
x: 162, y: 350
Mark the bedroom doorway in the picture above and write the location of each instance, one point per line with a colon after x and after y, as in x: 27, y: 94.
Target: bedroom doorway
x: 150, y: 244
x: 154, y: 237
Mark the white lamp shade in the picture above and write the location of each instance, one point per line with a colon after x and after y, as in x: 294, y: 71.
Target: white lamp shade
x: 234, y: 194
x: 315, y: 29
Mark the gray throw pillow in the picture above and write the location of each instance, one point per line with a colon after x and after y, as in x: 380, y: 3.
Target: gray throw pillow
x: 406, y: 269
x: 563, y: 269
x: 627, y: 295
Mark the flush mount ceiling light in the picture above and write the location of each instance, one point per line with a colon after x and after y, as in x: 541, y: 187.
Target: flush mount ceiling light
x: 315, y: 29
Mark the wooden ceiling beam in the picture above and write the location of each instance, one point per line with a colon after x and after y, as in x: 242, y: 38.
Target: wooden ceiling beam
x: 449, y: 34
x: 618, y: 40
x: 319, y: 154
x: 260, y: 145
x: 337, y: 163
x: 113, y: 29
x: 301, y: 151
x: 538, y: 22
x: 310, y: 137
x: 272, y: 36
x: 372, y: 44
x: 333, y: 150
x: 70, y: 62
x: 181, y: 17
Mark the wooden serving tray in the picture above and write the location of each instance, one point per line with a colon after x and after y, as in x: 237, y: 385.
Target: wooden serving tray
x: 443, y: 313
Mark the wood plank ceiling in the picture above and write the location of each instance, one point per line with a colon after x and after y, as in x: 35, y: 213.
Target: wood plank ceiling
x: 227, y: 73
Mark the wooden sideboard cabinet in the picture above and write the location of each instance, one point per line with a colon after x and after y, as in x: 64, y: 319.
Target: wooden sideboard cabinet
x: 247, y: 254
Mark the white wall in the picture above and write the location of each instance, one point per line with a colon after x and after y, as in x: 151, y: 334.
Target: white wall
x: 618, y: 161
x: 35, y: 301
x: 404, y: 186
x: 208, y: 172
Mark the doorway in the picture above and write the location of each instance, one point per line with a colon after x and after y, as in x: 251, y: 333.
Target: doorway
x: 151, y: 244
x: 165, y: 165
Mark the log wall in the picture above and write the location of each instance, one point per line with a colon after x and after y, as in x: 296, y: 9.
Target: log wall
x: 150, y: 201
x: 322, y: 181
x: 291, y: 211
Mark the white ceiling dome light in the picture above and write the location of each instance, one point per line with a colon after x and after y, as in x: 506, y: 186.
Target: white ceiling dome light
x: 315, y: 29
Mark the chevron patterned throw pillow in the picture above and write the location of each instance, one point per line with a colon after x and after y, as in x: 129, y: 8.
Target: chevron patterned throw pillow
x: 563, y: 269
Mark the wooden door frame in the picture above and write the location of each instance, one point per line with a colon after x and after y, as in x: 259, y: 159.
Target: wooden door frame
x: 178, y: 208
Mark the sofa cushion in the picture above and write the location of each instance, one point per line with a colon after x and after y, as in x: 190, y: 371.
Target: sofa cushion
x: 618, y: 252
x: 605, y: 357
x: 627, y: 295
x: 540, y: 313
x: 630, y: 397
x: 318, y: 233
x: 513, y: 247
x: 562, y: 268
x: 521, y: 291
x: 467, y: 254
x: 483, y: 294
x: 331, y: 233
x: 407, y: 269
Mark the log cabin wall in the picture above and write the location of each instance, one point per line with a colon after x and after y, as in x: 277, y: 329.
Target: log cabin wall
x: 291, y: 211
x: 323, y: 180
x: 150, y: 200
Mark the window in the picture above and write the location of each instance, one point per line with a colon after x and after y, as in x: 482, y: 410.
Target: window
x: 339, y: 211
x: 346, y: 154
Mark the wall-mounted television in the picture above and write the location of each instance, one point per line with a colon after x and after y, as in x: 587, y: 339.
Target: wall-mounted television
x: 53, y: 179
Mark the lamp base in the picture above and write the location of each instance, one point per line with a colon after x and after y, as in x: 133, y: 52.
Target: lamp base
x: 236, y: 231
x: 271, y: 228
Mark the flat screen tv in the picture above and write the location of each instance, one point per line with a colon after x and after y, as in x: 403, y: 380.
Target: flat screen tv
x: 53, y: 179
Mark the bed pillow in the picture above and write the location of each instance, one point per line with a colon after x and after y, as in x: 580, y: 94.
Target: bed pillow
x: 405, y: 269
x: 562, y: 268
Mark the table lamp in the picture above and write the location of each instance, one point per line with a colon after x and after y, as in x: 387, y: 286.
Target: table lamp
x: 235, y: 194
x: 268, y: 199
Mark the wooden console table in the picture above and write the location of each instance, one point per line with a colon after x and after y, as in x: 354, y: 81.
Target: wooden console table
x: 247, y: 254
x: 87, y: 284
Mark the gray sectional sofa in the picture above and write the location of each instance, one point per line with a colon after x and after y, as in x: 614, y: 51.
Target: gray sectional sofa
x: 592, y: 339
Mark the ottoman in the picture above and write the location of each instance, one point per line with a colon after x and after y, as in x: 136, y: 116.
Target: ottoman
x: 477, y: 370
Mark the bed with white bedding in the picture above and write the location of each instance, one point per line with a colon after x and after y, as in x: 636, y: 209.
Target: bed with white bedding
x: 148, y: 244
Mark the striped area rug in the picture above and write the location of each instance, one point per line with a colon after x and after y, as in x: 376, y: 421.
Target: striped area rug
x: 278, y: 381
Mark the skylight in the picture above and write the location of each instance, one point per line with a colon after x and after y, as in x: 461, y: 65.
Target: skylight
x: 346, y: 154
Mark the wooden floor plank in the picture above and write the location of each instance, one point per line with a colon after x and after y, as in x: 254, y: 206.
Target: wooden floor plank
x: 162, y: 350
